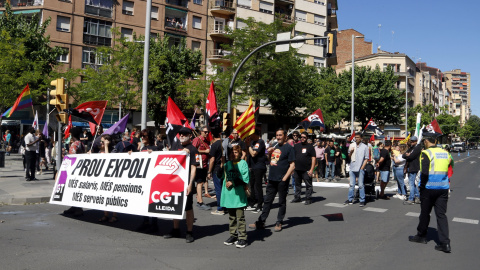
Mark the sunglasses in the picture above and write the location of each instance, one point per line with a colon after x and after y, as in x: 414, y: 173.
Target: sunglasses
x: 303, y: 137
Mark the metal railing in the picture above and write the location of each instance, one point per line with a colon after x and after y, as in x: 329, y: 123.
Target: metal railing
x: 173, y: 25
x: 98, y: 11
x: 223, y: 4
x: 220, y: 53
x: 284, y: 17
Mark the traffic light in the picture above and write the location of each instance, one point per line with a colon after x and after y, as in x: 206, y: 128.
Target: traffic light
x: 226, y: 121
x: 330, y: 43
x: 59, y: 99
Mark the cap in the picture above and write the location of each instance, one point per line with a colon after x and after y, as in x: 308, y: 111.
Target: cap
x: 414, y: 138
x: 185, y: 130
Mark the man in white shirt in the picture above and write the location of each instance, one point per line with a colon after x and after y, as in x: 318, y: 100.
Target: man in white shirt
x: 30, y: 153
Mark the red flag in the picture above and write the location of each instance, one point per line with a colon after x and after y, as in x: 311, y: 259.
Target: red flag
x: 175, y: 121
x: 373, y: 127
x: 211, y: 106
x: 314, y: 120
x: 372, y: 138
x: 67, y: 130
x: 351, y: 137
x: 433, y: 129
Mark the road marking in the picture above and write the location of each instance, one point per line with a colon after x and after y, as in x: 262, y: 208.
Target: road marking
x: 471, y: 162
x: 473, y: 198
x: 465, y: 220
x: 340, y: 205
x: 412, y: 214
x: 373, y: 209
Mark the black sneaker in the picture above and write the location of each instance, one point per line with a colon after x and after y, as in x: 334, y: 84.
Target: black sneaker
x: 257, y: 210
x: 189, y: 238
x: 174, y: 233
x: 241, y: 243
x: 417, y: 239
x: 296, y: 200
x: 362, y: 204
x: 230, y: 241
x: 347, y: 202
x: 308, y: 201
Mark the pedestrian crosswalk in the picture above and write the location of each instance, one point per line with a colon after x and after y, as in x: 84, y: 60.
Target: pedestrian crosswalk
x: 465, y: 220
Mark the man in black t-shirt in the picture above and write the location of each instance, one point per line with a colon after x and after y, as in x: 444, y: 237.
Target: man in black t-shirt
x: 186, y: 145
x: 124, y: 146
x: 282, y: 164
x: 238, y: 141
x: 215, y: 169
x: 258, y: 168
x: 330, y: 157
x: 383, y: 166
x: 304, y: 165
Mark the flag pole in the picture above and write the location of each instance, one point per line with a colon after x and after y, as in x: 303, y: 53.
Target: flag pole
x: 94, y: 137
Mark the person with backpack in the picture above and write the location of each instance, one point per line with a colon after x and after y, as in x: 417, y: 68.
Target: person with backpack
x: 358, y: 153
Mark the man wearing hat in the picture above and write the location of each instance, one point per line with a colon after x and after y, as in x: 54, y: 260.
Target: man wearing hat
x: 186, y: 145
x: 434, y: 187
x: 413, y: 166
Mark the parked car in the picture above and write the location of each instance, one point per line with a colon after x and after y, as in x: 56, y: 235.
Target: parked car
x: 458, y: 147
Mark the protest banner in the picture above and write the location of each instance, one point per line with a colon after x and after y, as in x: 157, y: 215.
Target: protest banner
x: 148, y: 184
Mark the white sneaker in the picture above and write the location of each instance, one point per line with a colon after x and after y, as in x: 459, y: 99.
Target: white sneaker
x: 249, y: 208
x: 398, y: 196
x: 403, y: 197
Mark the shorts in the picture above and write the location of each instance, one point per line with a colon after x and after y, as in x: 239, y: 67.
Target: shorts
x: 189, y: 204
x: 201, y: 176
x: 385, y: 176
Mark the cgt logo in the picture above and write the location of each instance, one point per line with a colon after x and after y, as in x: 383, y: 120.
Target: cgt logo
x: 165, y: 197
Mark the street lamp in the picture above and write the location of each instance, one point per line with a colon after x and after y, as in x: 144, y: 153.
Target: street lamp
x: 145, y: 64
x: 353, y: 81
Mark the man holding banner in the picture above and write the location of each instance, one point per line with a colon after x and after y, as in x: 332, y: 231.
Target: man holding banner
x: 186, y: 145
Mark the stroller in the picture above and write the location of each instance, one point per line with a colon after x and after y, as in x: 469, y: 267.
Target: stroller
x: 369, y: 182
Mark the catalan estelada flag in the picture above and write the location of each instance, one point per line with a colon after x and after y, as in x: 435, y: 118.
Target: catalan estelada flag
x: 23, y: 101
x: 245, y: 124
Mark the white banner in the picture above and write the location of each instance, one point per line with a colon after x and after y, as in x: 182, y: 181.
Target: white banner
x: 143, y: 184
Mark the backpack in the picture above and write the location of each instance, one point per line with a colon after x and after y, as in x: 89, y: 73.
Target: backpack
x: 376, y: 153
x: 369, y: 173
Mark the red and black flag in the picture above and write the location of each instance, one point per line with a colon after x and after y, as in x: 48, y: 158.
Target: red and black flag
x: 91, y: 111
x: 175, y: 121
x: 211, y: 109
x: 69, y: 127
x: 314, y: 120
x: 373, y: 127
x: 432, y: 130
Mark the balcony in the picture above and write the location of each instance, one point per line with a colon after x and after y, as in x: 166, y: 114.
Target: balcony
x: 178, y: 3
x: 285, y: 18
x: 22, y: 3
x: 219, y: 56
x: 223, y: 7
x: 96, y: 40
x: 98, y: 11
x: 175, y: 25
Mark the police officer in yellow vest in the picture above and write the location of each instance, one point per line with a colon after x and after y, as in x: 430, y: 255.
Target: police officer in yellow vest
x: 433, y: 187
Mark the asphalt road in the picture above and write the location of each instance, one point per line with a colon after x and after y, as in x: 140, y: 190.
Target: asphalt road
x: 323, y: 235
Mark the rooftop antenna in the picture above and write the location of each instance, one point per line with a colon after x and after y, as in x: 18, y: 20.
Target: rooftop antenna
x: 379, y: 37
x: 393, y: 33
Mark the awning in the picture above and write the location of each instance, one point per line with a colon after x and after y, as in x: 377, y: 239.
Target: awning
x: 24, y: 11
x: 176, y: 9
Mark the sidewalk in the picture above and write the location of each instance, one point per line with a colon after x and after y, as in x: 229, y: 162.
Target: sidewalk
x: 15, y: 190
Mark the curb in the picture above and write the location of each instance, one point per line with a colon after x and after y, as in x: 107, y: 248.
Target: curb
x: 23, y: 201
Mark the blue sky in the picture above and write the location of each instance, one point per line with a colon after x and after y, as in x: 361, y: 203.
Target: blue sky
x: 444, y: 34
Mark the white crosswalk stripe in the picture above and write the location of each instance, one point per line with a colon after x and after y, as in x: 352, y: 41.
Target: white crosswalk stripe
x: 378, y: 210
x: 340, y: 205
x: 465, y: 220
x: 473, y: 198
x: 412, y: 214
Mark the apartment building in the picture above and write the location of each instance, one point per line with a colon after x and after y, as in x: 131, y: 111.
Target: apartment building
x: 459, y: 83
x: 81, y: 26
x: 362, y: 47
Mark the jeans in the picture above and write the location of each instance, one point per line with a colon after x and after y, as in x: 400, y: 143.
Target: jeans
x: 400, y: 180
x: 272, y: 188
x: 361, y: 187
x: 437, y: 198
x: 330, y: 170
x: 217, y: 183
x: 299, y: 176
x: 385, y: 176
x: 413, y: 187
x: 321, y: 168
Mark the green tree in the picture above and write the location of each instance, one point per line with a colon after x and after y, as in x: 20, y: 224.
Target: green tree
x: 375, y: 95
x: 448, y: 123
x: 26, y: 56
x: 466, y: 132
x: 474, y: 122
x: 278, y: 78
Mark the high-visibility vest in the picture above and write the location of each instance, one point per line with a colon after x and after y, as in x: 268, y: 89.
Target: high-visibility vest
x: 438, y: 169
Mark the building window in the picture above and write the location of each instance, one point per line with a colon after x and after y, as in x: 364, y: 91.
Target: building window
x: 174, y: 41
x: 63, y: 24
x: 127, y: 8
x: 300, y: 15
x: 320, y: 20
x: 197, y: 22
x: 198, y: 2
x: 196, y: 45
x: 154, y: 13
x: 127, y: 33
x: 64, y: 57
x: 266, y: 7
x: 219, y: 26
x: 241, y: 24
x: 245, y: 3
x: 318, y: 42
x: 102, y: 8
x: 97, y: 32
x: 318, y: 62
x: 175, y: 19
x: 182, y: 3
x: 91, y: 58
